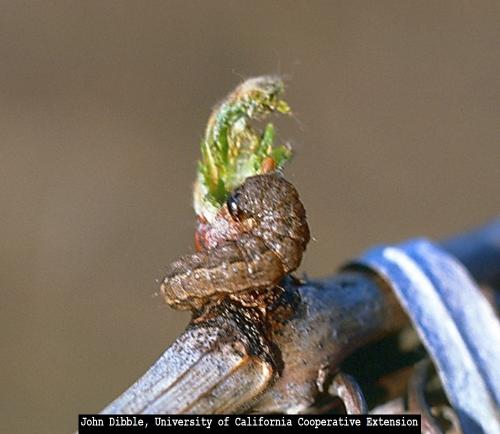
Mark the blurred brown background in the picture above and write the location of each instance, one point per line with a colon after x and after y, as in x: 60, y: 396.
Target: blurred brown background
x: 102, y: 106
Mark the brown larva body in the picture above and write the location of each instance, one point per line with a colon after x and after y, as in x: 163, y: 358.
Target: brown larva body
x: 273, y: 233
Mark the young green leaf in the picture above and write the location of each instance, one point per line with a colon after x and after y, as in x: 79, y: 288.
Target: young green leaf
x: 234, y: 149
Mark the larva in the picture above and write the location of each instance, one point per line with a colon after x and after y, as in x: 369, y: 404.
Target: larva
x: 272, y: 236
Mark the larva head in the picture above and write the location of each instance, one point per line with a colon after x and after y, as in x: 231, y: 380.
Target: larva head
x: 263, y: 195
x: 269, y: 207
